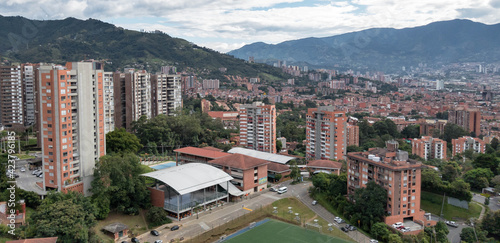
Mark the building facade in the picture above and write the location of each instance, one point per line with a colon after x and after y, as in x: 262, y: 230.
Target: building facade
x: 132, y: 91
x: 391, y: 169
x: 11, y: 97
x: 258, y: 127
x: 352, y: 135
x: 428, y: 148
x: 468, y: 119
x: 463, y: 144
x: 29, y: 104
x: 109, y: 102
x: 166, y: 94
x: 210, y: 84
x: 71, y: 124
x: 326, y: 133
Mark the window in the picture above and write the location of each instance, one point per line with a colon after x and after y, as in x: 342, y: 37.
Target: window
x: 51, y: 167
x: 63, y: 84
x: 48, y: 84
x: 62, y: 77
x: 50, y: 153
x: 49, y: 111
x: 404, y: 198
x: 51, y: 174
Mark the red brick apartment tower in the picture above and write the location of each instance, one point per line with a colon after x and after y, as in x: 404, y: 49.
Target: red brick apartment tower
x: 470, y: 120
x: 428, y: 147
x: 400, y: 176
x: 462, y: 144
x: 326, y: 133
x: 258, y: 127
x: 72, y: 124
x: 352, y: 135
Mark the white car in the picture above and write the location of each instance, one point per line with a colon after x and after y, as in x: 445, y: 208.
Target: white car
x: 22, y: 169
x: 373, y: 241
x: 396, y: 225
x: 338, y: 220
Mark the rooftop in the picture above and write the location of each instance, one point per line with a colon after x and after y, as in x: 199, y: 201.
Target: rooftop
x: 190, y: 177
x: 201, y: 152
x: 115, y: 227
x: 239, y: 161
x: 277, y: 158
x: 321, y: 163
x: 276, y: 167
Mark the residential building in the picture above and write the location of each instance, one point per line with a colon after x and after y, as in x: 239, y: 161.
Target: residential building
x: 28, y: 86
x: 465, y: 143
x: 324, y: 166
x: 468, y: 119
x: 431, y: 127
x: 258, y: 127
x: 391, y: 169
x: 109, y: 102
x: 166, y: 96
x: 71, y: 124
x: 428, y: 148
x: 196, y: 155
x: 249, y: 173
x: 352, y: 135
x: 326, y: 130
x: 210, y: 84
x: 11, y: 97
x: 132, y: 91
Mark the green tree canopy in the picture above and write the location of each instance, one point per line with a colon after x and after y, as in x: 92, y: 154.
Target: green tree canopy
x: 379, y: 231
x: 478, y: 178
x: 157, y: 216
x: 369, y: 206
x: 453, y: 131
x: 68, y: 216
x: 117, y: 184
x: 411, y: 131
x: 489, y: 161
x: 121, y: 141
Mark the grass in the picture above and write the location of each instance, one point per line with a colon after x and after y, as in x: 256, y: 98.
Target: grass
x: 431, y: 203
x: 276, y: 231
x: 4, y: 239
x: 306, y: 215
x: 136, y: 223
x: 24, y: 156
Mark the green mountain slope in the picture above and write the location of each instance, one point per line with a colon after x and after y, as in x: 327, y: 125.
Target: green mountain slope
x: 71, y: 39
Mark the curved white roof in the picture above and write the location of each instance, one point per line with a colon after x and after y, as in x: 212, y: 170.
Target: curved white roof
x: 277, y: 158
x: 190, y: 177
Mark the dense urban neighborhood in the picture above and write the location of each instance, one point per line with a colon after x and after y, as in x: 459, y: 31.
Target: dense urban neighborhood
x: 211, y: 148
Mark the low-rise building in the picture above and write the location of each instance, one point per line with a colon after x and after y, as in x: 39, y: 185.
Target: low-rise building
x: 462, y: 144
x: 428, y: 147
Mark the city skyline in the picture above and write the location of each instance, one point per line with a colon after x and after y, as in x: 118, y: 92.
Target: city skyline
x: 228, y: 25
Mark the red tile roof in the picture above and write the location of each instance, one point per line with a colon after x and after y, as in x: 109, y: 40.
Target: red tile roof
x: 276, y: 167
x: 321, y: 163
x: 239, y: 161
x: 207, y: 153
x: 213, y: 148
x: 35, y: 240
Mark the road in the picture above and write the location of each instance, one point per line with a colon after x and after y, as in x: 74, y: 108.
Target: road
x: 191, y: 227
x: 494, y: 201
x: 26, y: 180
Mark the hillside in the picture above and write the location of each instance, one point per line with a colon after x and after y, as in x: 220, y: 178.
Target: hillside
x: 388, y: 49
x: 71, y: 39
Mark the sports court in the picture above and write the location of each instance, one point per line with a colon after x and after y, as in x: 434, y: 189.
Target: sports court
x: 276, y: 231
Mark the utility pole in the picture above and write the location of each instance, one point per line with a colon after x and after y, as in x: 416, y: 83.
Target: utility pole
x: 442, y: 206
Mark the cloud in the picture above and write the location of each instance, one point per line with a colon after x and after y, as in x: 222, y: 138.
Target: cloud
x: 226, y: 24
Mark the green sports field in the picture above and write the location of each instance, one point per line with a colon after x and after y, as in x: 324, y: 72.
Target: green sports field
x: 276, y: 231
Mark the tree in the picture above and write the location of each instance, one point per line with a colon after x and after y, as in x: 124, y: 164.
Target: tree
x: 453, y: 131
x: 489, y: 161
x: 310, y: 104
x: 450, y: 171
x: 295, y: 171
x: 279, y: 146
x: 487, y: 201
x: 441, y: 226
x: 68, y: 216
x: 370, y: 204
x: 496, y: 182
x: 117, y: 180
x: 157, y: 216
x: 468, y: 235
x: 379, y: 231
x: 353, y: 148
x: 411, y: 131
x: 394, y: 238
x: 491, y: 223
x: 478, y: 178
x: 121, y: 141
x: 494, y: 143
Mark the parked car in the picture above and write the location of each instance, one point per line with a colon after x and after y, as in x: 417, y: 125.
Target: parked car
x: 34, y: 172
x: 451, y: 223
x: 396, y: 225
x: 345, y: 229
x: 282, y: 190
x: 338, y: 220
x: 352, y: 228
x: 272, y: 189
x: 373, y: 241
x: 175, y: 227
x: 40, y: 175
x: 22, y: 169
x: 158, y: 241
x: 314, y: 202
x: 135, y: 240
x: 155, y: 233
x: 400, y: 227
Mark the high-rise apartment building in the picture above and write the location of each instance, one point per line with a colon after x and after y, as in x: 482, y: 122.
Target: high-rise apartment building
x: 352, y: 135
x: 11, y: 97
x: 71, y: 104
x: 391, y: 169
x: 132, y: 91
x: 326, y: 131
x: 468, y: 119
x: 166, y: 96
x: 258, y: 127
x: 28, y: 86
x: 462, y: 144
x: 428, y: 147
x: 109, y: 102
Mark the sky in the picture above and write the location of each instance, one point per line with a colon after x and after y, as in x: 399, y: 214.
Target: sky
x: 229, y: 24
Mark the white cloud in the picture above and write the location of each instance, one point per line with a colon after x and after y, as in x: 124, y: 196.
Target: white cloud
x: 226, y: 24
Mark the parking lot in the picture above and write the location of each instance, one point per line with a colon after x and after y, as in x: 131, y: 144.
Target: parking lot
x: 26, y: 180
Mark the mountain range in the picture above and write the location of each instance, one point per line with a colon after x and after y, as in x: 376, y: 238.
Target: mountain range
x: 386, y: 49
x: 71, y: 39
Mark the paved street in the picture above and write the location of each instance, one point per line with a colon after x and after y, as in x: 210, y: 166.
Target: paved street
x: 494, y: 201
x: 26, y: 180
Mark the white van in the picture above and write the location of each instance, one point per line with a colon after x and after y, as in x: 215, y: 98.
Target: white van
x: 282, y: 190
